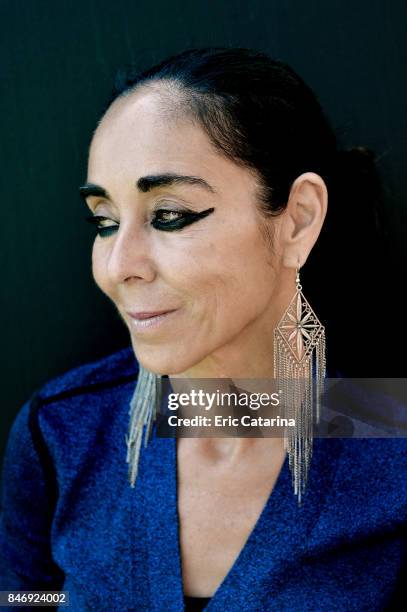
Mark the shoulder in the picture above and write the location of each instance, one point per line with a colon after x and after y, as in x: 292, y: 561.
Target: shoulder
x: 115, y: 369
x: 377, y: 463
x: 64, y: 420
x: 69, y: 411
x: 82, y: 395
x: 365, y: 491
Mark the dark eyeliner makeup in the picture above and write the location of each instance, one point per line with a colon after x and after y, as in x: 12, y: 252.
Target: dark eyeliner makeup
x: 96, y: 220
x: 184, y: 219
x: 166, y: 225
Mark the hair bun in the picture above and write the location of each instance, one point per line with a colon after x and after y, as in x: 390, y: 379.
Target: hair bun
x: 357, y: 155
x: 364, y: 151
x: 357, y: 181
x: 355, y: 163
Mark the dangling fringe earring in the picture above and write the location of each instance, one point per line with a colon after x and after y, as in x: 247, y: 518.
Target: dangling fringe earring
x: 299, y: 353
x: 144, y: 406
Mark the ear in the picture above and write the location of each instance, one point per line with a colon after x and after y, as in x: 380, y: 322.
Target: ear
x: 303, y: 218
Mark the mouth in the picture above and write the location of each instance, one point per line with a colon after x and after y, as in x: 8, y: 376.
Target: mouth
x: 147, y: 320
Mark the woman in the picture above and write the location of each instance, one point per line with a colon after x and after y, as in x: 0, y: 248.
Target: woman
x: 208, y: 182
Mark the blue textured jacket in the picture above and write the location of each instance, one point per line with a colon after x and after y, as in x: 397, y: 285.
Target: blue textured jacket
x: 71, y: 521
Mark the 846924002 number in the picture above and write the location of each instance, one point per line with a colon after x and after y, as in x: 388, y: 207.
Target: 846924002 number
x: 34, y: 598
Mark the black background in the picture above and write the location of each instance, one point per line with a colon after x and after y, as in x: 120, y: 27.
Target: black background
x: 58, y: 60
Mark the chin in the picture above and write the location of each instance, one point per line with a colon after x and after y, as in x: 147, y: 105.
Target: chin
x: 161, y: 361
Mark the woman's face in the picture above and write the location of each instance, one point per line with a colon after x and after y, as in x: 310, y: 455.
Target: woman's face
x: 191, y: 245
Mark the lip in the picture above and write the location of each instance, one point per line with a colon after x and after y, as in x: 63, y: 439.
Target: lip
x: 145, y: 321
x: 147, y: 315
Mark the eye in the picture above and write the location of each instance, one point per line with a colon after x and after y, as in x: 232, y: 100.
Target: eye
x: 171, y: 220
x: 169, y: 215
x: 104, y: 225
x: 163, y: 220
x: 167, y: 219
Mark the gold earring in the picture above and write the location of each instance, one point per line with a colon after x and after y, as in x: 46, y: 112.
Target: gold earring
x: 299, y: 354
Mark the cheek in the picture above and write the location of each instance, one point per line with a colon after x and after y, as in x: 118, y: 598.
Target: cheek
x: 99, y: 269
x: 229, y: 280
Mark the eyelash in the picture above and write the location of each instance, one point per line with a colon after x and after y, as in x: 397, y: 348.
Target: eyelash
x: 175, y: 224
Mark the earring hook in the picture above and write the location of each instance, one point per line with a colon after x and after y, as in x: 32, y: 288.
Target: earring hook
x: 297, y: 277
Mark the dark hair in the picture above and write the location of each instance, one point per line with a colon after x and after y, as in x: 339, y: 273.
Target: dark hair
x: 259, y: 113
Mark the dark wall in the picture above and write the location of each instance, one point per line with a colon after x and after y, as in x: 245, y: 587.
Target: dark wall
x: 58, y: 59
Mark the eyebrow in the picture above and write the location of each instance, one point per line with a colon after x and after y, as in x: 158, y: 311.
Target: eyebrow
x: 148, y: 183
x: 90, y: 189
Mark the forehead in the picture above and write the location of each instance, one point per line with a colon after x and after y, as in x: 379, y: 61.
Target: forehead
x: 140, y: 136
x: 138, y: 131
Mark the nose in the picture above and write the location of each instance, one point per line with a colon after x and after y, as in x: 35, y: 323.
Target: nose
x: 130, y: 255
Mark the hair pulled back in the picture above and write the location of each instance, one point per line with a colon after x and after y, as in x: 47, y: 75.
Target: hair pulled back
x: 259, y: 113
